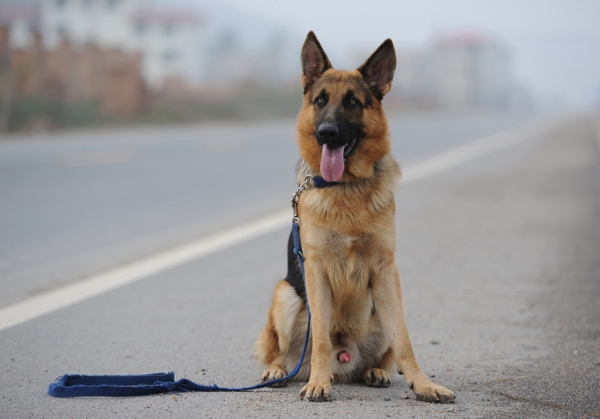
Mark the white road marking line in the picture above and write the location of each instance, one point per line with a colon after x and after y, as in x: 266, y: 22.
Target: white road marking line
x: 478, y: 148
x: 68, y: 295
x: 77, y: 292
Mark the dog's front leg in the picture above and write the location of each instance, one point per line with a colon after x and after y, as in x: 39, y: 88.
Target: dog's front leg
x: 320, y: 301
x: 387, y: 296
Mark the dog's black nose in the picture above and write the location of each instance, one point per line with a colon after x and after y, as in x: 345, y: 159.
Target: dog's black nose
x: 328, y: 132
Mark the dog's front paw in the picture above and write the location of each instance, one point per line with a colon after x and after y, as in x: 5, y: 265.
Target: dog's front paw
x: 376, y: 377
x: 427, y: 391
x: 274, y: 374
x: 316, y: 392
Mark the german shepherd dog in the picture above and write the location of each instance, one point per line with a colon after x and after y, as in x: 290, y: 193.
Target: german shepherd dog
x: 358, y: 331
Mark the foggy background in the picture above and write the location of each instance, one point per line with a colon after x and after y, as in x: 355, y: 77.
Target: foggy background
x: 134, y: 131
x: 96, y: 62
x: 554, y: 45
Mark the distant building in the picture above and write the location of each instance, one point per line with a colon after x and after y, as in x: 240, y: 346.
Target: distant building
x: 230, y: 63
x: 21, y: 20
x: 169, y: 40
x: 412, y: 80
x: 461, y: 70
x: 106, y: 23
x: 470, y: 69
x: 237, y: 67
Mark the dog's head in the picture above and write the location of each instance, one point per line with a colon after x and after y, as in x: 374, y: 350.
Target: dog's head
x: 342, y: 127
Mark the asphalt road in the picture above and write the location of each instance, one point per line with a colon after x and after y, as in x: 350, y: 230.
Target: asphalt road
x: 73, y: 205
x: 500, y: 260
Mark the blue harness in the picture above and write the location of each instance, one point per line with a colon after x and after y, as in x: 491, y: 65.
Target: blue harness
x: 75, y: 385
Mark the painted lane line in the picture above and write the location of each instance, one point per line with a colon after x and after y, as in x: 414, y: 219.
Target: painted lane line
x: 68, y: 295
x: 478, y: 148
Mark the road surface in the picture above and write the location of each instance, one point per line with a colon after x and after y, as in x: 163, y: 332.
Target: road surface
x: 499, y: 251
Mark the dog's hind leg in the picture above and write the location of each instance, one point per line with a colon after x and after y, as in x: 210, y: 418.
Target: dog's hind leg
x: 379, y: 376
x: 274, y: 342
x: 268, y: 352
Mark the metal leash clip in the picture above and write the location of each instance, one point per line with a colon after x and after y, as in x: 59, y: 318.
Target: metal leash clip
x: 296, y: 196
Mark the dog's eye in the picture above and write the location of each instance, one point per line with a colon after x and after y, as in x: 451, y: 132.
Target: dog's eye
x: 352, y: 101
x: 320, y: 100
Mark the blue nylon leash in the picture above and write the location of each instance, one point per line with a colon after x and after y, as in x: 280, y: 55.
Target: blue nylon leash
x: 75, y: 385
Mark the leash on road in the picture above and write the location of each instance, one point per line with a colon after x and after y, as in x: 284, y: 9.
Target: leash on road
x: 76, y: 385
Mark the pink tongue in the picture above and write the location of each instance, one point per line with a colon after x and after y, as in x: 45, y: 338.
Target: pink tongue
x: 332, y: 163
x: 344, y: 357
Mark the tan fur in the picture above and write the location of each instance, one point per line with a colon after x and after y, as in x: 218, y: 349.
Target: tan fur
x: 352, y: 283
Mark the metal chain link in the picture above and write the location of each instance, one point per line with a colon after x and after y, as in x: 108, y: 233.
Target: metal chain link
x: 301, y: 187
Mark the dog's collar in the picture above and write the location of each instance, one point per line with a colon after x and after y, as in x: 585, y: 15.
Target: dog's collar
x: 319, y: 182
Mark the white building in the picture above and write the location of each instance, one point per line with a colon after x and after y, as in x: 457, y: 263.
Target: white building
x: 21, y: 20
x: 170, y: 40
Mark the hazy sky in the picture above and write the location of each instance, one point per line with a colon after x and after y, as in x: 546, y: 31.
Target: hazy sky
x: 555, y: 43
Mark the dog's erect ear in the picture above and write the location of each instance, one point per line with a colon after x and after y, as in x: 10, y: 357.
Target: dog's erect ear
x: 378, y: 70
x: 314, y: 61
